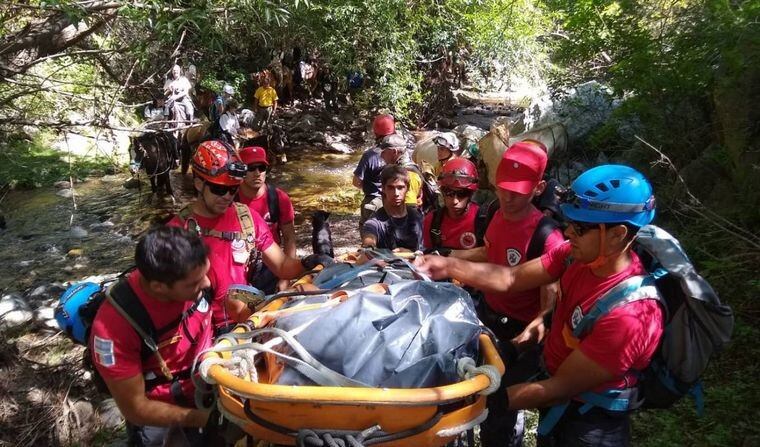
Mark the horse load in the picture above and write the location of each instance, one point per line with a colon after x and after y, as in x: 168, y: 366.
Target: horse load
x: 368, y: 352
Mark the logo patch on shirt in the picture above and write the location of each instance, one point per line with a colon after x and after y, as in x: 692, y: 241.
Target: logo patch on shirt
x: 203, y: 305
x: 467, y: 239
x: 513, y: 256
x: 576, y: 318
x: 104, y: 351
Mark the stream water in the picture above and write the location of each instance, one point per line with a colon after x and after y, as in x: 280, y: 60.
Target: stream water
x: 50, y: 238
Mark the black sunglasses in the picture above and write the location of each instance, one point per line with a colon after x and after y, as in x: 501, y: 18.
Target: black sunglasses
x: 581, y: 228
x: 221, y: 190
x: 458, y: 193
x: 257, y: 167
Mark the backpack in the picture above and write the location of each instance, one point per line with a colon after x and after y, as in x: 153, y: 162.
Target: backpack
x: 697, y: 326
x: 429, y: 190
x: 544, y: 228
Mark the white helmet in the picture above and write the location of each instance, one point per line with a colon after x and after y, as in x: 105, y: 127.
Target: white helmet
x: 228, y: 89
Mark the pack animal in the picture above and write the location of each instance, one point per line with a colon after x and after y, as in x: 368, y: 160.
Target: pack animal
x: 321, y: 235
x: 202, y: 99
x: 309, y: 75
x: 155, y: 153
x: 189, y: 141
x: 274, y: 141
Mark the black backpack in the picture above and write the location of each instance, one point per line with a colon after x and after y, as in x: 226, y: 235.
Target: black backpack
x: 697, y: 324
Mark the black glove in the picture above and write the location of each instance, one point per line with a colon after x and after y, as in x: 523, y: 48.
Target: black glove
x: 311, y: 261
x: 442, y: 251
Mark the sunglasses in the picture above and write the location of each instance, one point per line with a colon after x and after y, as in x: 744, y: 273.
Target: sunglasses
x: 458, y: 193
x: 581, y: 228
x: 257, y: 168
x: 221, y: 190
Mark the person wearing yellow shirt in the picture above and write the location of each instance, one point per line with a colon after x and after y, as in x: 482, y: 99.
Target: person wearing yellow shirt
x: 394, y: 152
x: 265, y: 103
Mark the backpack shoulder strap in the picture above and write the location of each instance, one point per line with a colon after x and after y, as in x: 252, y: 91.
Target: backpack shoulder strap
x: 435, y: 227
x: 635, y: 288
x: 483, y: 218
x: 128, y: 305
x: 537, y: 242
x: 246, y: 221
x: 273, y: 201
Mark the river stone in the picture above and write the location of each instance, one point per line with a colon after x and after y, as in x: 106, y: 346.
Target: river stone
x: 63, y: 184
x: 132, y: 183
x: 109, y: 414
x: 14, y: 311
x: 101, y: 226
x: 66, y: 193
x: 78, y: 232
x: 341, y: 148
x: 110, y: 178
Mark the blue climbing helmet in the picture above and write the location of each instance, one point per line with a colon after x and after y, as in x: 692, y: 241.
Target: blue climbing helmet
x: 610, y: 194
x: 67, y: 312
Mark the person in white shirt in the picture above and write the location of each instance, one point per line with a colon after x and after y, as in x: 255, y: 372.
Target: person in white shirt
x: 177, y: 88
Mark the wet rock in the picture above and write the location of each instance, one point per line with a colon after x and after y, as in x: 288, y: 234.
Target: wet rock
x: 66, y: 193
x: 305, y: 123
x: 132, y: 183
x: 36, y: 396
x: 109, y: 414
x: 25, y: 263
x: 63, y: 184
x: 78, y: 232
x: 110, y: 178
x: 14, y: 311
x: 339, y: 147
x: 78, y: 429
x: 102, y: 226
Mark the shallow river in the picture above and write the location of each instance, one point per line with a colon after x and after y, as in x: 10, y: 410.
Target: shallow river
x: 50, y: 238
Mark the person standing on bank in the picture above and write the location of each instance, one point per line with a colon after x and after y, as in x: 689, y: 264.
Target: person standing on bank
x: 367, y: 172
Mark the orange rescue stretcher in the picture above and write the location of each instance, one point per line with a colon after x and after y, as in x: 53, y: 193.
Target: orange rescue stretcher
x: 287, y: 414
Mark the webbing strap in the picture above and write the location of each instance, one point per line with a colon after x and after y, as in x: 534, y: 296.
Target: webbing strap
x: 611, y: 400
x: 635, y: 288
x: 547, y: 422
x: 247, y: 233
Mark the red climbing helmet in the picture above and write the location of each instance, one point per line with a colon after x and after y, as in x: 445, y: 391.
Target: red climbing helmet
x: 216, y: 162
x: 383, y: 125
x: 459, y: 173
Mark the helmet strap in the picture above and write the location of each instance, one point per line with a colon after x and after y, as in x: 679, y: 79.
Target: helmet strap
x: 602, y: 258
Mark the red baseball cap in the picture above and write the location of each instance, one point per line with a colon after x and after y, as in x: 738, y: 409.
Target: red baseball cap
x: 521, y: 167
x: 253, y: 154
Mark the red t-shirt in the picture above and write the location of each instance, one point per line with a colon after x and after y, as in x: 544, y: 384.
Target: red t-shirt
x: 507, y: 244
x: 228, y: 266
x: 622, y: 341
x: 261, y: 206
x: 117, y: 348
x: 457, y: 233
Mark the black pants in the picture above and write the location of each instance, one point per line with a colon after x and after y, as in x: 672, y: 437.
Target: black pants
x: 498, y: 430
x: 595, y: 428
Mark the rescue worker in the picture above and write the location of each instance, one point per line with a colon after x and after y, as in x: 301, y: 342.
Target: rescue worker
x: 367, y: 172
x: 271, y: 203
x: 169, y: 282
x: 238, y: 240
x: 604, y: 208
x: 453, y: 226
x: 396, y: 225
x: 448, y: 148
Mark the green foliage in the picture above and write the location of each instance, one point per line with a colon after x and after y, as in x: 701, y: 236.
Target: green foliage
x: 30, y: 164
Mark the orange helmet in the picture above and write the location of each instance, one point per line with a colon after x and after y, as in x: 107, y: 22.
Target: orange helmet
x: 383, y: 125
x: 216, y: 162
x: 459, y: 173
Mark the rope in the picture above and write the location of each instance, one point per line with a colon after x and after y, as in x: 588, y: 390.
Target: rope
x: 467, y: 369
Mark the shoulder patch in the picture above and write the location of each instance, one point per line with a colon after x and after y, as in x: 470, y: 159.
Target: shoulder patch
x: 104, y: 351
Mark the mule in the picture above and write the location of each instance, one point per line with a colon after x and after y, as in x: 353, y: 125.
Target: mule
x: 189, y: 141
x: 273, y: 141
x: 203, y: 98
x: 155, y: 153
